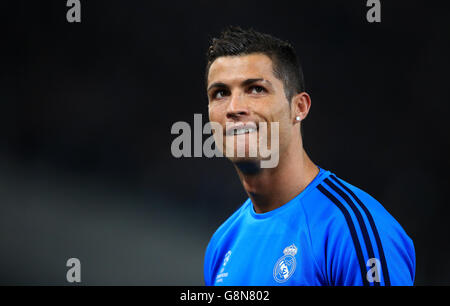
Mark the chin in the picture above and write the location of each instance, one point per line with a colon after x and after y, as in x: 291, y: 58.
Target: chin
x: 247, y: 165
x: 245, y: 159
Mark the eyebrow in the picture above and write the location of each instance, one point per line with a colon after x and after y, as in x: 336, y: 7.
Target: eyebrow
x: 244, y: 83
x: 217, y: 85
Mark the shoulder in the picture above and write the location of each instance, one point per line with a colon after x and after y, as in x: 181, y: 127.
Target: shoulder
x: 336, y: 203
x: 217, y: 241
x: 357, y: 206
x: 351, y: 225
x: 227, y: 225
x: 226, y: 228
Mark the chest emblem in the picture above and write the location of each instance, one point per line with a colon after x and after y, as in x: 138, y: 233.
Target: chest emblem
x: 285, y: 266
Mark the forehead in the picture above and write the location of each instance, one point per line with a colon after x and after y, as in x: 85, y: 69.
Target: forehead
x: 227, y: 69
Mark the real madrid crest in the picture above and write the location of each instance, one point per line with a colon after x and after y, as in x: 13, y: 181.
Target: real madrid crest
x: 285, y: 266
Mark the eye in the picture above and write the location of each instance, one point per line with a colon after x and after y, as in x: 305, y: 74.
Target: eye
x: 219, y: 94
x: 257, y: 89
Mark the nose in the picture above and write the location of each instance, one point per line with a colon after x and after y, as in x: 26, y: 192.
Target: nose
x: 237, y: 107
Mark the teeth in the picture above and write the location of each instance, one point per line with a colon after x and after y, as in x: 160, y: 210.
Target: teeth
x: 244, y: 131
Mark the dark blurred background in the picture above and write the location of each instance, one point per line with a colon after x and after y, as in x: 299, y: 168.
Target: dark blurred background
x: 86, y: 169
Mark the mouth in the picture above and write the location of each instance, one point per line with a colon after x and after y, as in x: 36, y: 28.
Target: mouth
x: 240, y: 129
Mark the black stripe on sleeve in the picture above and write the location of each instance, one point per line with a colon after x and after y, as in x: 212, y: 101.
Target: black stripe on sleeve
x: 384, y: 267
x: 351, y: 227
x: 359, y: 217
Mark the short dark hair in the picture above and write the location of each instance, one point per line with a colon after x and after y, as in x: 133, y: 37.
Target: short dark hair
x: 235, y: 41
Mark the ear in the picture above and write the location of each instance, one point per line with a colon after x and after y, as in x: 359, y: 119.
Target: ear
x: 300, y: 105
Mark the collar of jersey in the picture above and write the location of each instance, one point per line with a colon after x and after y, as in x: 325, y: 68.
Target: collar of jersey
x: 319, y: 178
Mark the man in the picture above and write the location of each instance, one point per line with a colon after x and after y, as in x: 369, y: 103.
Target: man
x: 301, y: 225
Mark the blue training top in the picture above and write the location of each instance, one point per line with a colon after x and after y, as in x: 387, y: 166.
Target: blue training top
x: 332, y: 233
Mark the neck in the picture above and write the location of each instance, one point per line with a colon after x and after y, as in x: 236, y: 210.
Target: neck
x: 270, y: 188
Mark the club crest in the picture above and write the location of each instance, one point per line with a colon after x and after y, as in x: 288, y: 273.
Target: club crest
x: 285, y: 266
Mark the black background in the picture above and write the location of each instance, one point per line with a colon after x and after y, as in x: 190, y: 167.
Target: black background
x: 86, y: 169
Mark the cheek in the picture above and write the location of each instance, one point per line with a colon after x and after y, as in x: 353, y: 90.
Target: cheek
x: 282, y: 116
x: 215, y: 113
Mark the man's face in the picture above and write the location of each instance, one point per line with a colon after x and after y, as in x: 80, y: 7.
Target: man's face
x: 243, y: 93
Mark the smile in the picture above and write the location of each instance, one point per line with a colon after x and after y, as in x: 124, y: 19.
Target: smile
x: 233, y: 129
x: 243, y: 131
